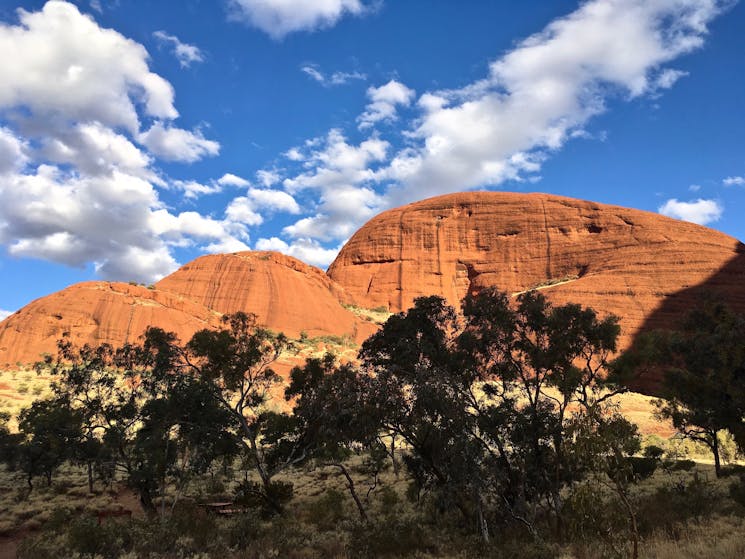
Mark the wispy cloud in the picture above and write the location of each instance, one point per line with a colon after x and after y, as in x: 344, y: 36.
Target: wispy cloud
x: 185, y: 53
x: 534, y: 99
x: 336, y: 78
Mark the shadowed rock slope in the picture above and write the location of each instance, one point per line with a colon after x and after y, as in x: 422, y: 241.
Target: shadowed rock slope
x: 616, y: 260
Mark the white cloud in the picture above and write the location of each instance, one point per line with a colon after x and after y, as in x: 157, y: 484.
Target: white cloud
x: 540, y: 93
x: 337, y: 78
x: 534, y: 99
x: 734, y: 181
x: 246, y: 209
x: 5, y: 314
x: 268, y: 178
x: 95, y: 149
x: 194, y: 189
x: 243, y: 210
x: 185, y: 53
x: 279, y: 18
x: 12, y: 152
x: 229, y: 179
x: 668, y: 78
x: 383, y: 103
x: 97, y: 74
x: 75, y: 188
x: 699, y: 211
x: 74, y: 220
x: 694, y: 188
x: 176, y: 144
x: 307, y: 250
x: 274, y: 200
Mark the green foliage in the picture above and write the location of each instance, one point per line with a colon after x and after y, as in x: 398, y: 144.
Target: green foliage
x: 704, y: 382
x: 89, y: 539
x: 737, y: 491
x: 391, y: 537
x: 673, y: 504
x: 263, y: 498
x: 592, y: 515
x: 327, y: 511
x: 470, y: 398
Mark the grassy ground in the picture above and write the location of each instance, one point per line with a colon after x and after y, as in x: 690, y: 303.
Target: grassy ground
x: 321, y: 520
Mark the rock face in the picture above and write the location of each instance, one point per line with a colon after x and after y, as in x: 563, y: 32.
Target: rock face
x: 614, y: 259
x: 285, y: 294
x: 645, y: 268
x: 96, y: 312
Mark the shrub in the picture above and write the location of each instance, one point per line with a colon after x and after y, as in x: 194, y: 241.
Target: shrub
x: 737, y: 491
x: 588, y: 517
x: 393, y: 537
x: 251, y: 494
x: 242, y: 530
x: 89, y: 539
x: 328, y: 510
x: 674, y: 504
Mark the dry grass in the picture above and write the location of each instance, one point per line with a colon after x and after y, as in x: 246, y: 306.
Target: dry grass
x: 20, y: 510
x: 377, y: 315
x: 19, y: 389
x: 720, y: 537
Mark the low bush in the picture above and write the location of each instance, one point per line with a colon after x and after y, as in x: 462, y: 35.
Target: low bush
x: 391, y: 537
x: 672, y: 505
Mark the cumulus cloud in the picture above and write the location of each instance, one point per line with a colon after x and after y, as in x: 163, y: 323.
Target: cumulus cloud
x: 12, y: 152
x: 699, y: 211
x: 193, y: 189
x: 185, y: 53
x: 229, y: 179
x: 279, y: 18
x: 268, y: 177
x: 5, y: 314
x: 730, y: 181
x: 336, y: 78
x: 247, y: 209
x: 307, y: 250
x: 176, y: 144
x: 384, y: 101
x: 77, y: 186
x: 98, y: 74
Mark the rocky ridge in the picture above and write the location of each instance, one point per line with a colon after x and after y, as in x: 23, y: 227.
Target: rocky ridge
x: 643, y: 267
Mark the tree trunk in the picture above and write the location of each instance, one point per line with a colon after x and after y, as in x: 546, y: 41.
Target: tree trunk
x: 483, y: 524
x: 146, y: 501
x: 715, y: 451
x: 632, y: 521
x: 393, y: 456
x: 352, y: 491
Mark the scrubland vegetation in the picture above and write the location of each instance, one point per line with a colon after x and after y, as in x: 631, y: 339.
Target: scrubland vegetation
x: 491, y: 433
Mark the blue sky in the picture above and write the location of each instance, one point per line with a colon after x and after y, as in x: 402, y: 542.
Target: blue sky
x: 137, y: 135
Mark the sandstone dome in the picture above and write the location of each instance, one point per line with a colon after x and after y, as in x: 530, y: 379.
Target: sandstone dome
x: 614, y: 259
x: 95, y: 313
x: 285, y: 294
